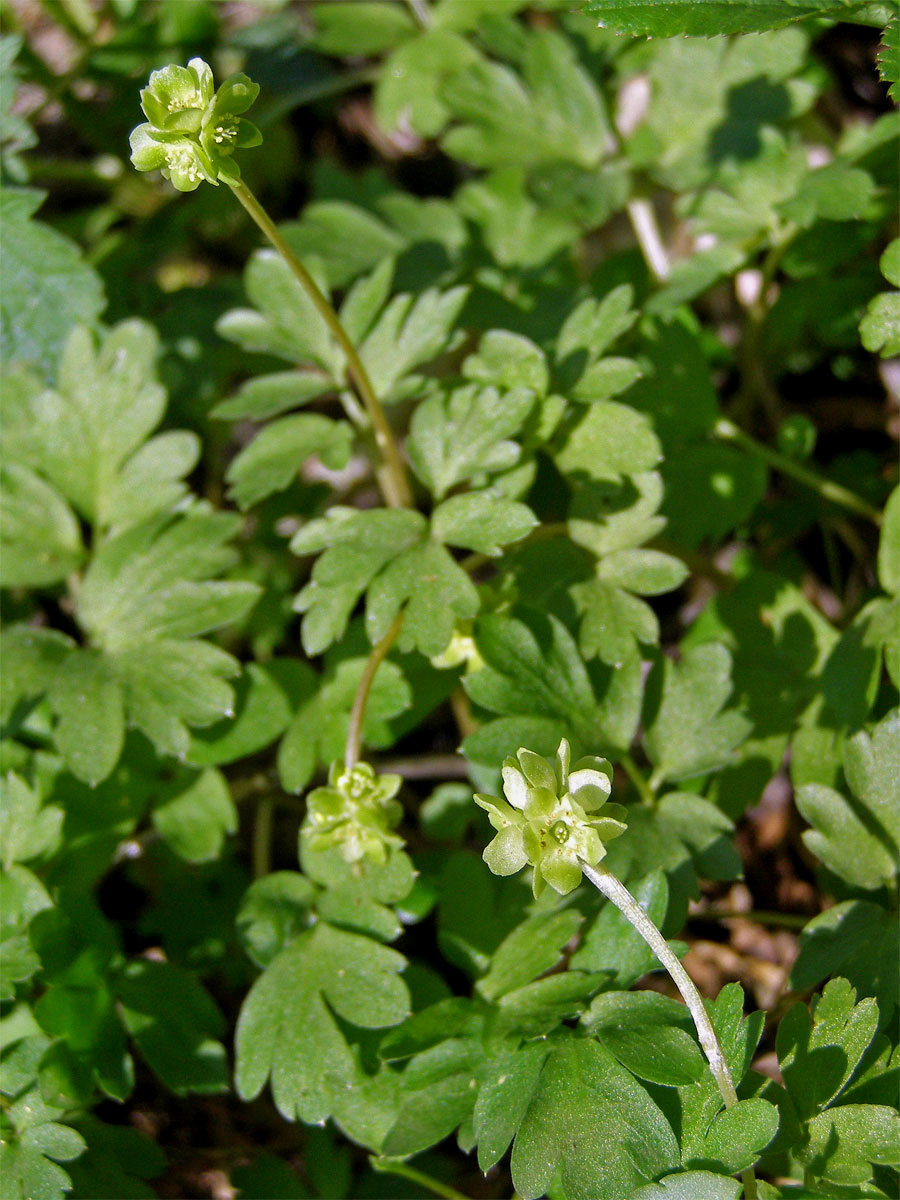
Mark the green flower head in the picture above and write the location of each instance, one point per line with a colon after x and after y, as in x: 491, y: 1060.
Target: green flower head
x: 552, y: 820
x: 192, y: 130
x: 355, y: 813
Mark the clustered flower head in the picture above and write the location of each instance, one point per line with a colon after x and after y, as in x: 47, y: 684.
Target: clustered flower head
x: 191, y: 129
x: 355, y: 813
x: 552, y: 820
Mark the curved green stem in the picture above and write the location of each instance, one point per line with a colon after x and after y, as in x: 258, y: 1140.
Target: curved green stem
x: 394, y: 482
x: 607, y: 883
x: 642, y: 787
x: 358, y: 711
x: 727, y: 431
x: 390, y: 1166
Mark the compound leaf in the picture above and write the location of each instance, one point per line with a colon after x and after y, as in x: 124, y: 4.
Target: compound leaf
x: 287, y: 1032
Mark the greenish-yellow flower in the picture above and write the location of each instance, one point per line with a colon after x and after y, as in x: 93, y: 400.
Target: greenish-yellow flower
x: 192, y: 130
x: 552, y: 819
x: 355, y: 813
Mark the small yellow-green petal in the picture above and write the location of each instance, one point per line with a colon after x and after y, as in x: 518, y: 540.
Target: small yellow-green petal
x: 515, y: 787
x: 536, y: 770
x: 560, y: 871
x: 505, y: 855
x: 589, y: 787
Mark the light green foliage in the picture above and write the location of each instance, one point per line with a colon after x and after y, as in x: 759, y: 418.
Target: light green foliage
x: 286, y: 1032
x: 40, y: 261
x: 818, y: 1056
x: 706, y: 18
x: 859, y: 841
x: 687, y: 731
x: 613, y: 471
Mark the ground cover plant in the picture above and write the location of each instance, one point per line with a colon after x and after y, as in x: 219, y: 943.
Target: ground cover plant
x: 451, y: 599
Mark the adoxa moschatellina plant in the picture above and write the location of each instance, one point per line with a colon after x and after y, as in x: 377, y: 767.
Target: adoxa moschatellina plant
x: 190, y: 135
x: 555, y: 817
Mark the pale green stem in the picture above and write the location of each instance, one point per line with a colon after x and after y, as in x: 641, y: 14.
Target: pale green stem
x: 390, y: 1166
x: 729, y: 432
x: 607, y: 883
x: 358, y: 711
x: 394, y: 481
x: 421, y: 12
x: 641, y: 785
x: 646, y: 230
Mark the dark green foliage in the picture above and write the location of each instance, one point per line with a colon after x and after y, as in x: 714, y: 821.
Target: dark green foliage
x: 627, y: 302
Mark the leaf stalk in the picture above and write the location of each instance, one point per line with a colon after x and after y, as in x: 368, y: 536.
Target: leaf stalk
x: 358, y: 711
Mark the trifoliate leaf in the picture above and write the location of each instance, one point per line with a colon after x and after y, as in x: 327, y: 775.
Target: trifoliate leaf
x: 39, y: 533
x: 196, y: 819
x: 687, y: 733
x: 533, y: 670
x: 571, y: 1108
x: 438, y: 1094
x: 859, y: 841
x: 286, y: 1030
x: 649, y: 1034
x: 847, y: 1141
x: 41, y: 263
x: 27, y: 830
x: 266, y: 696
x: 819, y: 1053
x: 856, y: 939
x: 608, y: 441
x: 482, y: 522
x: 529, y: 951
x: 88, y: 699
x: 89, y: 436
x: 176, y: 1026
x: 707, y: 18
x: 272, y: 460
x: 462, y: 435
x: 358, y: 895
x: 553, y: 111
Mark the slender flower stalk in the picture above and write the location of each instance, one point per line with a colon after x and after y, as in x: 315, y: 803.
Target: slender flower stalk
x: 358, y: 712
x: 556, y: 819
x: 190, y: 135
x: 395, y: 482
